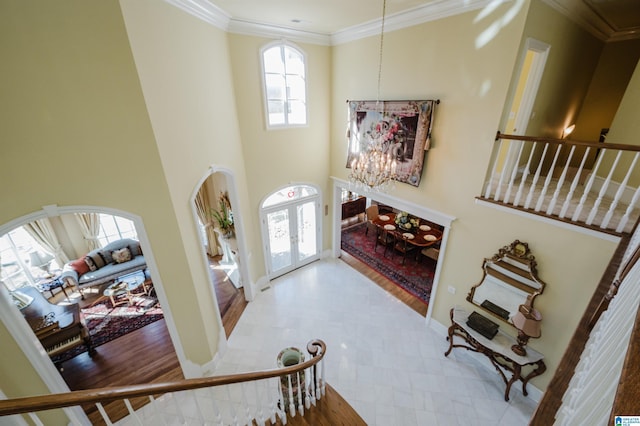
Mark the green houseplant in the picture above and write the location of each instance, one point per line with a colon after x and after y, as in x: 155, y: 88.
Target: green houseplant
x: 224, y: 216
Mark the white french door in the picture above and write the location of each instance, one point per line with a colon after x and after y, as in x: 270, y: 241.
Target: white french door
x: 291, y: 234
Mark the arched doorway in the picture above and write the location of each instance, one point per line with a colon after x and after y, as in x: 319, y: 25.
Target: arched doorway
x: 291, y: 228
x: 22, y: 333
x: 215, y: 203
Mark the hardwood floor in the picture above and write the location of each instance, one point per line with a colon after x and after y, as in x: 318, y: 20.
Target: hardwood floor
x: 406, y: 298
x: 145, y: 355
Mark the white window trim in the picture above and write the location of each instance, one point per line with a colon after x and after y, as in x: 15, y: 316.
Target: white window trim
x: 268, y: 125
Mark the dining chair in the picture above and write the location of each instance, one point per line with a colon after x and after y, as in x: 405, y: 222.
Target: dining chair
x: 384, y: 238
x: 372, y: 214
x: 403, y: 245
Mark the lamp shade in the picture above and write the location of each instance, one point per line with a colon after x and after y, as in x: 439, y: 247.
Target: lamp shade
x: 39, y: 259
x: 528, y: 321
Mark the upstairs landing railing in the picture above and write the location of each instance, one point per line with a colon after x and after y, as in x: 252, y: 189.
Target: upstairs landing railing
x: 590, y: 184
x: 263, y: 397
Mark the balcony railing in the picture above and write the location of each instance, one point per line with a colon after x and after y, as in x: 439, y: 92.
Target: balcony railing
x: 590, y: 184
x: 263, y: 397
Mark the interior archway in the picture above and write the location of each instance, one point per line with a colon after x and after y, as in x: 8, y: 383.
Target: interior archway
x: 18, y: 327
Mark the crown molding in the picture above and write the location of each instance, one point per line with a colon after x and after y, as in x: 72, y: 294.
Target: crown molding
x: 438, y: 9
x: 580, y: 13
x: 272, y: 31
x: 418, y: 15
x: 204, y: 10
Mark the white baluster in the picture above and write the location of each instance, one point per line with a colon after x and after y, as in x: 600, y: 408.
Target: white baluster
x: 174, y: 398
x: 292, y: 408
x: 216, y: 409
x: 525, y: 175
x: 232, y: 410
x: 487, y: 193
x: 514, y: 174
x: 322, y: 388
x: 282, y: 410
x: 536, y: 177
x: 132, y: 412
x: 496, y: 196
x: 35, y: 419
x: 104, y: 414
x: 312, y: 385
x: 603, y: 191
x: 300, y: 393
x: 619, y: 193
x: 543, y: 193
x: 159, y: 416
x: 587, y: 187
x: 194, y: 394
x: 245, y: 402
x: 627, y: 213
x: 560, y: 184
x: 574, y: 184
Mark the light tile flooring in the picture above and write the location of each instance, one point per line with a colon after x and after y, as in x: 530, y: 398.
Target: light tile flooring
x: 381, y: 356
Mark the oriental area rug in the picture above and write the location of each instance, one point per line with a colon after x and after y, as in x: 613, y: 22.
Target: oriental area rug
x: 414, y: 277
x: 106, y: 322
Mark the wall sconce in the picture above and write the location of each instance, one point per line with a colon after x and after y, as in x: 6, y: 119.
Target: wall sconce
x: 568, y: 130
x: 527, y: 321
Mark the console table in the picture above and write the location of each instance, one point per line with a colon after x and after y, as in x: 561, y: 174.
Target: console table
x: 498, y: 350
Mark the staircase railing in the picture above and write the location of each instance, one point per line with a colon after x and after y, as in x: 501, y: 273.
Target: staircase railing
x: 590, y: 184
x: 247, y: 398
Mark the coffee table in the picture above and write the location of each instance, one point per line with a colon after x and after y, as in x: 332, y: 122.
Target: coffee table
x: 127, y: 286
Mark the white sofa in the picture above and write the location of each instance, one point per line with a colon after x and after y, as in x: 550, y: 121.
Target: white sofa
x: 104, y: 264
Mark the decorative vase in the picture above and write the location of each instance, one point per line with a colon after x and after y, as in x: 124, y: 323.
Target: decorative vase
x: 289, y: 357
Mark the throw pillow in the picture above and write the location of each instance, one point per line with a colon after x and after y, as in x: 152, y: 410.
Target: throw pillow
x: 122, y: 255
x: 89, y: 261
x: 106, y: 255
x: 80, y: 266
x: 135, y: 250
x: 97, y: 259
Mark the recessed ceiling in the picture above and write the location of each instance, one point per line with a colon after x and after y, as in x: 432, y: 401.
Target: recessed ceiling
x: 618, y: 19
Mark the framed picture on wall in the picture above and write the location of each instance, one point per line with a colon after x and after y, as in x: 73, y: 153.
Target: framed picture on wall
x: 402, y: 127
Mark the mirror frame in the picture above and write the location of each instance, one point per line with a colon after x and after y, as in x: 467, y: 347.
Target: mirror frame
x: 522, y: 275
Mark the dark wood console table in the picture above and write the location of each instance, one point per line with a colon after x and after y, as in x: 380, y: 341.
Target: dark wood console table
x: 353, y: 207
x: 498, y: 350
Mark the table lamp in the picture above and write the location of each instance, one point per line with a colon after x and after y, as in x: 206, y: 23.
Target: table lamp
x: 527, y: 321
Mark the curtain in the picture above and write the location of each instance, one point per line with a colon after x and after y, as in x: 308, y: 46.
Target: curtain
x: 202, y: 208
x: 42, y: 231
x: 90, y: 225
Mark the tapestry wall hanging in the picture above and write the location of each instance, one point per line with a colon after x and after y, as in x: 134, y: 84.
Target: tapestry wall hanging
x: 402, y: 127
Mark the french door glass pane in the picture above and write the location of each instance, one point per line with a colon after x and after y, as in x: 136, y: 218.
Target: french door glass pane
x: 306, y: 230
x: 279, y: 239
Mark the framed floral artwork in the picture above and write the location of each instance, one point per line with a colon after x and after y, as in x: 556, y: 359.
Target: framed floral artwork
x: 403, y: 128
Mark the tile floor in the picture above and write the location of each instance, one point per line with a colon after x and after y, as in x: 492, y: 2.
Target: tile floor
x: 381, y: 357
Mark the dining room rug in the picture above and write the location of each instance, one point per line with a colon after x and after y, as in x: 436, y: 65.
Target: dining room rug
x: 106, y: 322
x: 415, y: 277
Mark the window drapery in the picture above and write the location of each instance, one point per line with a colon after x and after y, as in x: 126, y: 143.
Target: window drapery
x: 202, y: 209
x: 90, y: 226
x: 42, y: 231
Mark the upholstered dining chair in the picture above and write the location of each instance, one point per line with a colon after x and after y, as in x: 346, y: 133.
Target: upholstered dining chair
x: 385, y: 238
x: 372, y: 214
x: 403, y: 245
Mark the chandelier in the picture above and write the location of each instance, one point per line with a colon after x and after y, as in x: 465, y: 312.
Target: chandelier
x: 375, y: 168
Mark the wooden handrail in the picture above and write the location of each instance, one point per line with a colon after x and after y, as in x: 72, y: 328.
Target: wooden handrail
x: 601, y: 145
x: 316, y: 348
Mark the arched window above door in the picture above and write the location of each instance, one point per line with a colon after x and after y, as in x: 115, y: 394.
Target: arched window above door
x: 289, y: 193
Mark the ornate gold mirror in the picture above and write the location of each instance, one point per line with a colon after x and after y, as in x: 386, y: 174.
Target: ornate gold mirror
x: 509, y: 278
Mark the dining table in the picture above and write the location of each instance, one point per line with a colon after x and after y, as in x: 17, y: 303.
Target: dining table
x: 422, y: 236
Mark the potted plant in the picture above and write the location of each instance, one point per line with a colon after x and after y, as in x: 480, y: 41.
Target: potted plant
x: 224, y: 216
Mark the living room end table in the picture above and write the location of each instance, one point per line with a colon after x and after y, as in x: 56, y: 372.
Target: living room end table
x: 128, y: 289
x: 498, y: 350
x: 50, y: 284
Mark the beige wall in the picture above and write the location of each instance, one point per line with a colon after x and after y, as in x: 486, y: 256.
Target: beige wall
x: 573, y: 58
x: 278, y: 157
x: 441, y: 60
x: 75, y: 131
x: 608, y: 85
